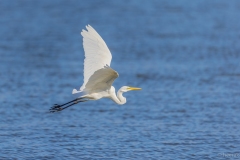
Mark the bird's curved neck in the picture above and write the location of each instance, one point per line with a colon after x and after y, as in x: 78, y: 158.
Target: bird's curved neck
x: 119, y: 99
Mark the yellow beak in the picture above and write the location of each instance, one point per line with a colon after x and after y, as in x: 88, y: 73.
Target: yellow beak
x: 134, y: 88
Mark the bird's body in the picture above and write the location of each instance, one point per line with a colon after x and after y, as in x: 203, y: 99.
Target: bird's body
x: 98, y: 75
x: 119, y: 99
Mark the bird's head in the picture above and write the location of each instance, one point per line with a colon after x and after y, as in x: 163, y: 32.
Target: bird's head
x: 127, y: 88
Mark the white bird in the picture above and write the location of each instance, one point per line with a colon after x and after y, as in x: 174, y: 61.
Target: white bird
x: 98, y: 75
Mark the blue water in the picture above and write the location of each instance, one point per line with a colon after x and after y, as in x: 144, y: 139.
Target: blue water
x: 184, y: 54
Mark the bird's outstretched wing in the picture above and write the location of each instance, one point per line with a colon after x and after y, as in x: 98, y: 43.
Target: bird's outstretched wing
x: 97, y: 54
x: 101, y: 80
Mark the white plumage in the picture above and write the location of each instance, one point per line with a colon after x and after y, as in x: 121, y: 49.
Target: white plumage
x: 98, y: 76
x: 97, y: 54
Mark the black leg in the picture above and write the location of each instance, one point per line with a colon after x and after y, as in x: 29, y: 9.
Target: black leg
x: 74, y: 103
x: 57, y: 105
x: 57, y: 108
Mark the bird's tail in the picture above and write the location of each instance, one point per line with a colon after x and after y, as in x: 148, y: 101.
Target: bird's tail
x: 75, y: 91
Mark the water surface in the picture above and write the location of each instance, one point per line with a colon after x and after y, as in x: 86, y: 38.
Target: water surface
x: 184, y: 54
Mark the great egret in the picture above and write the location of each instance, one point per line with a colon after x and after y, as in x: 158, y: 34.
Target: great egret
x: 98, y: 75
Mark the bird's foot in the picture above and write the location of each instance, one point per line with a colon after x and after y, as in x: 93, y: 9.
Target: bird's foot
x: 55, y: 108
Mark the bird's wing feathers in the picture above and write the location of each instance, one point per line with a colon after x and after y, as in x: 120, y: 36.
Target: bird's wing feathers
x: 101, y: 80
x: 97, y: 54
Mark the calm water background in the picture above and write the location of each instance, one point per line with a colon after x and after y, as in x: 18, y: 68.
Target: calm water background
x: 184, y: 54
